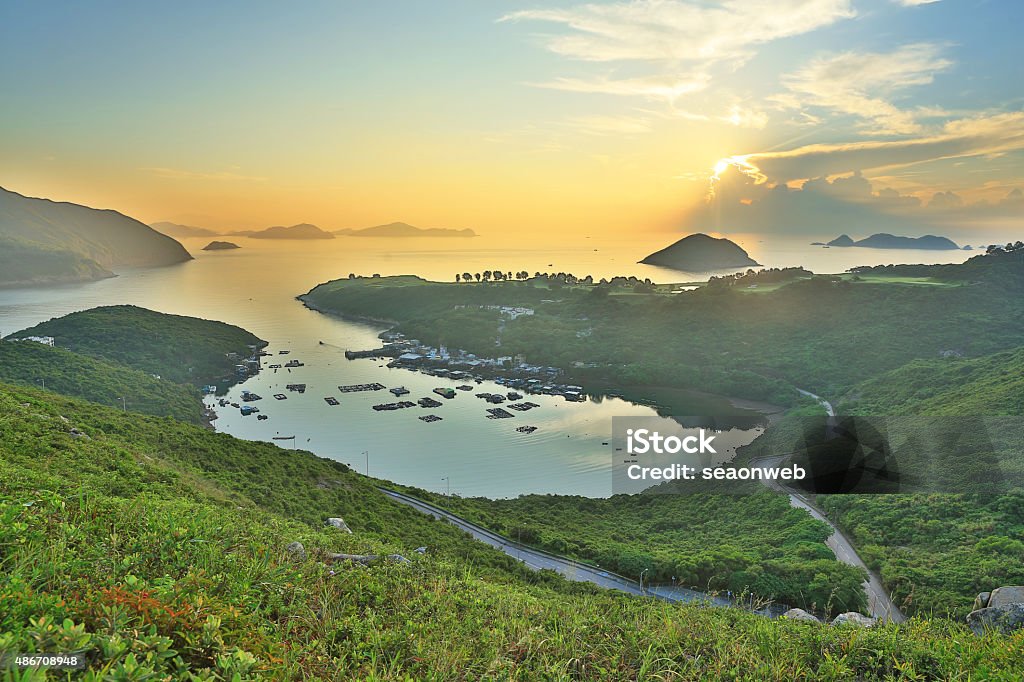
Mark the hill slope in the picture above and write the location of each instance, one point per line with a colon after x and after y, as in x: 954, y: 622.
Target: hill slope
x: 98, y: 381
x: 156, y: 548
x: 175, y: 347
x: 404, y: 230
x: 100, y: 239
x: 300, y: 231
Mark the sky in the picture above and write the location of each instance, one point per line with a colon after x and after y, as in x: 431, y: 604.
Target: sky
x: 523, y: 117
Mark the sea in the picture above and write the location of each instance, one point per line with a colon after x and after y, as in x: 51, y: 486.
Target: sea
x: 571, y: 451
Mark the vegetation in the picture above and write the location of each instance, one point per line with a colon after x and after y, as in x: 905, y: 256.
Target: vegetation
x: 23, y: 262
x: 177, y: 348
x: 157, y: 549
x: 747, y: 544
x: 99, y: 381
x: 824, y: 334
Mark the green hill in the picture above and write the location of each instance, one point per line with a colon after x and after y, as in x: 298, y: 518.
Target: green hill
x: 158, y: 550
x: 178, y: 348
x: 60, y: 241
x: 98, y: 381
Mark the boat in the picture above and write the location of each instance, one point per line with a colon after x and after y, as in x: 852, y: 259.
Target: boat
x: 447, y: 393
x: 399, y: 390
x: 283, y: 438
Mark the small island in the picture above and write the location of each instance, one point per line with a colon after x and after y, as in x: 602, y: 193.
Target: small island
x: 221, y: 246
x: 701, y: 253
x: 300, y: 231
x: 883, y: 240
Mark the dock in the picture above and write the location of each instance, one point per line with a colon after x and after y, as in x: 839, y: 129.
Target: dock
x: 355, y: 388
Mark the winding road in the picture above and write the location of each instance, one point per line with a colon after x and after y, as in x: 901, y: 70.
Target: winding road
x: 879, y: 602
x: 539, y: 560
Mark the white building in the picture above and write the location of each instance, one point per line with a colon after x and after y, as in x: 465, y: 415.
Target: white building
x: 45, y: 340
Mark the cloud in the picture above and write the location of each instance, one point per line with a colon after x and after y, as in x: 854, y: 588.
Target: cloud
x: 671, y: 30
x: 610, y: 125
x: 654, y: 87
x: 977, y: 136
x: 179, y: 174
x: 915, y: 3
x: 848, y: 204
x: 860, y: 84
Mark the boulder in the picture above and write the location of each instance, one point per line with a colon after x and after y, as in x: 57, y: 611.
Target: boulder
x: 981, y: 601
x: 338, y: 523
x: 800, y: 614
x: 854, y: 618
x: 1004, y: 596
x: 296, y: 551
x: 1005, y: 619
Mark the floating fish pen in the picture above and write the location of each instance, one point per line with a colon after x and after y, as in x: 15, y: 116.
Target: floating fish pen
x: 447, y: 393
x: 248, y: 397
x: 512, y: 395
x: 430, y: 418
x: 498, y: 413
x: 299, y: 388
x: 429, y: 402
x: 385, y: 352
x: 526, y: 429
x: 331, y: 400
x: 355, y: 388
x: 280, y: 396
x: 399, y: 390
x: 294, y: 363
x: 464, y: 387
x: 387, y: 407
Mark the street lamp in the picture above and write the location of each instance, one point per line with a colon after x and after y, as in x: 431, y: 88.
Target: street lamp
x: 124, y: 405
x: 642, y: 579
x: 367, y: 454
x: 448, y: 480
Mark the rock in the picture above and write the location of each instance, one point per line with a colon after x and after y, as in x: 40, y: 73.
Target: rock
x: 367, y: 559
x: 800, y: 614
x: 981, y: 601
x: 296, y: 551
x: 1005, y: 619
x: 338, y: 523
x: 420, y: 550
x: 1004, y: 596
x: 854, y: 618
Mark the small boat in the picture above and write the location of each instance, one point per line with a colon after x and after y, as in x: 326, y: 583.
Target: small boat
x: 399, y: 390
x: 283, y: 438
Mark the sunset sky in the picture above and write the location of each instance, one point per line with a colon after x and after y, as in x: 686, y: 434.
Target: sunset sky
x: 602, y: 117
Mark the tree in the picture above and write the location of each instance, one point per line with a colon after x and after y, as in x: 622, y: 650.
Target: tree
x: 477, y: 276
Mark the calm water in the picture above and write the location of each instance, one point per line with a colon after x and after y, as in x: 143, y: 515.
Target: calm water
x: 254, y: 287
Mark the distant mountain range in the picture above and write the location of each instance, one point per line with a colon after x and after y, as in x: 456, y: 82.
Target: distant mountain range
x: 405, y: 230
x: 883, y: 240
x: 181, y: 231
x: 309, y: 231
x: 701, y: 253
x: 43, y: 241
x: 300, y: 231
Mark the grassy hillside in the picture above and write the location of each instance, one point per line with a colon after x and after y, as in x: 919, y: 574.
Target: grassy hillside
x: 752, y: 543
x: 984, y: 386
x: 157, y: 549
x: 99, y: 381
x: 181, y: 349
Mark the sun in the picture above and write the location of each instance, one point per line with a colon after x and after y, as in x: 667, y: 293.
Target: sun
x: 721, y: 166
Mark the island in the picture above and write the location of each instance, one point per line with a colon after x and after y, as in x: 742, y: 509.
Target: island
x: 44, y: 241
x: 300, y: 231
x: 179, y: 231
x: 221, y: 246
x: 405, y: 230
x: 701, y: 253
x: 883, y: 240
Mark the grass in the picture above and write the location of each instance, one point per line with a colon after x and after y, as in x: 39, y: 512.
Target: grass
x: 157, y: 549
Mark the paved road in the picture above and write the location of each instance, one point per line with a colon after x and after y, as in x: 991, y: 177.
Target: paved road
x: 879, y: 602
x: 537, y: 559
